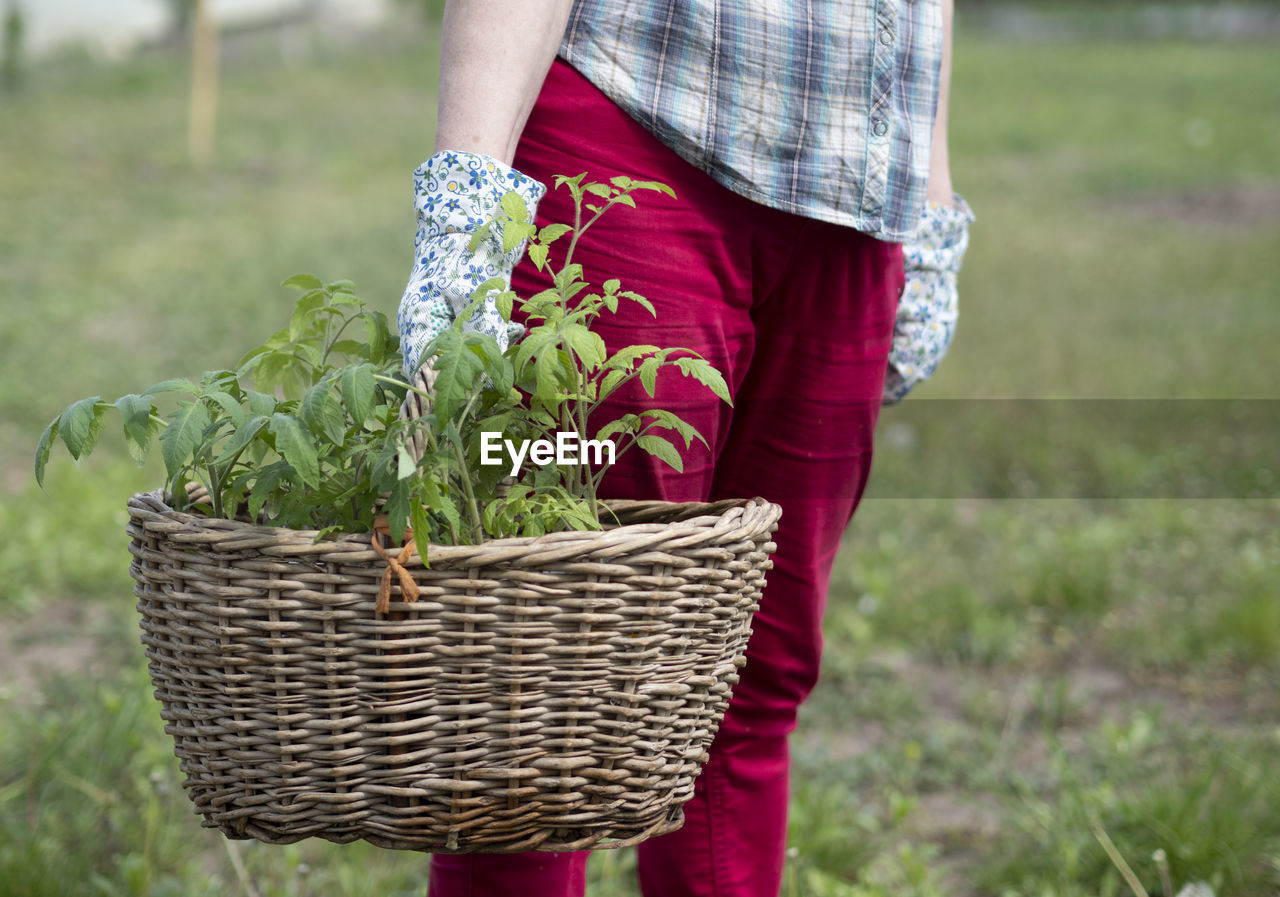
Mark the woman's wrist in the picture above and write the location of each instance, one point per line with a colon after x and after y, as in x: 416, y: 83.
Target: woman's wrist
x: 494, y: 57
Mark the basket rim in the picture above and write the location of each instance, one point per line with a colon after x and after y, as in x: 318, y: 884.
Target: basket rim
x: 673, y: 519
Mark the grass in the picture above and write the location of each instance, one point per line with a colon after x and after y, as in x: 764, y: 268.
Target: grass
x: 1056, y: 608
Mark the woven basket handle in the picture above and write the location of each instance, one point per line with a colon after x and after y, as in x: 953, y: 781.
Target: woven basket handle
x: 416, y: 406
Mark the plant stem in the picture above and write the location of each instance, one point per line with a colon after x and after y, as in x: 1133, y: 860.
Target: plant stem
x: 329, y: 344
x: 473, y: 509
x: 409, y: 386
x: 215, y: 490
x: 1107, y: 845
x: 573, y: 243
x: 635, y: 439
x: 584, y: 475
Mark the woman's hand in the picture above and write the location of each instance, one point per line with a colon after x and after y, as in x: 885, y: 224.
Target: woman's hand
x: 928, y: 308
x: 494, y: 57
x: 454, y: 194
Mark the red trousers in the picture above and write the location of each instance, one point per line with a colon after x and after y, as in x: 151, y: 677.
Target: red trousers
x: 798, y: 315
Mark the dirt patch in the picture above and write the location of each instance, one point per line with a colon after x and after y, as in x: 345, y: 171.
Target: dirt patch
x: 1237, y: 206
x: 957, y: 819
x: 60, y: 638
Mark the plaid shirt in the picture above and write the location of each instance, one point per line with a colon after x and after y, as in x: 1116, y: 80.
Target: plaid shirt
x: 823, y: 108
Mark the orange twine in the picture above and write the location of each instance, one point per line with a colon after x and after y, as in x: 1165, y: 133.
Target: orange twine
x: 408, y: 588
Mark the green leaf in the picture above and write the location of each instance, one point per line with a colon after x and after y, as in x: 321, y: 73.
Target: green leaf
x: 229, y: 404
x: 43, y: 447
x: 243, y: 436
x: 458, y: 373
x: 271, y: 369
x: 323, y: 412
x: 497, y: 367
x: 649, y: 374
x: 628, y: 423
x: 703, y: 371
x: 448, y: 509
x: 310, y: 350
x: 610, y: 383
x: 661, y: 449
x: 381, y: 340
x: 260, y: 403
x: 176, y: 488
x: 79, y: 426
x: 514, y: 234
x: 545, y: 477
x: 587, y: 346
x: 450, y: 432
x: 540, y: 304
x: 533, y: 343
x: 358, y: 387
x: 567, y: 276
x: 553, y: 232
x: 303, y: 282
x: 265, y: 486
x: 421, y: 525
x: 505, y: 301
x: 296, y: 446
x: 405, y: 465
x: 219, y: 380
x: 348, y: 348
x: 341, y: 286
x: 550, y: 373
x: 625, y: 357
x: 640, y: 300
x: 668, y: 420
x: 481, y: 234
x: 611, y: 285
x: 514, y: 206
x: 176, y: 384
x: 538, y: 255
x: 301, y: 322
x: 139, y: 428
x: 601, y: 190
x: 181, y: 438
x: 574, y: 183
x: 653, y: 185
x: 397, y: 510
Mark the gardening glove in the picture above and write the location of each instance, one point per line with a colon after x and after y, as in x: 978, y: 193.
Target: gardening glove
x: 454, y: 194
x: 928, y: 307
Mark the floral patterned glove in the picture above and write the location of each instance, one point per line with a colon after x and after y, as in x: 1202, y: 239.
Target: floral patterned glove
x: 454, y: 194
x: 927, y: 310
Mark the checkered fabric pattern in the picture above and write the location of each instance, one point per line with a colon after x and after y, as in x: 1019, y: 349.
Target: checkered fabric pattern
x: 823, y: 108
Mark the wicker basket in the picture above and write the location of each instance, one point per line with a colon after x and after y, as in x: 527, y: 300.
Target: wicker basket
x: 556, y: 693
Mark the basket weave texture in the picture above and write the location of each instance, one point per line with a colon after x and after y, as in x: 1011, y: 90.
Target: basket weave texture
x: 555, y: 693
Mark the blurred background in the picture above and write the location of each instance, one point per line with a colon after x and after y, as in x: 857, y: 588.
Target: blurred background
x: 1056, y: 622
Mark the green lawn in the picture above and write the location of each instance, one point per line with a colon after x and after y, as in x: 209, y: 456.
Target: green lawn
x: 1053, y: 615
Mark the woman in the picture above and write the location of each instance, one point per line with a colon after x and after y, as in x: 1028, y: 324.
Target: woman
x: 802, y: 141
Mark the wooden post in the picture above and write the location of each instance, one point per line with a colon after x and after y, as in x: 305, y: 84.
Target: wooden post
x: 204, y: 86
x: 11, y: 46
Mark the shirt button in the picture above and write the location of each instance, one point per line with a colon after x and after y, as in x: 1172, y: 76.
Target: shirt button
x: 880, y: 128
x: 886, y: 37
